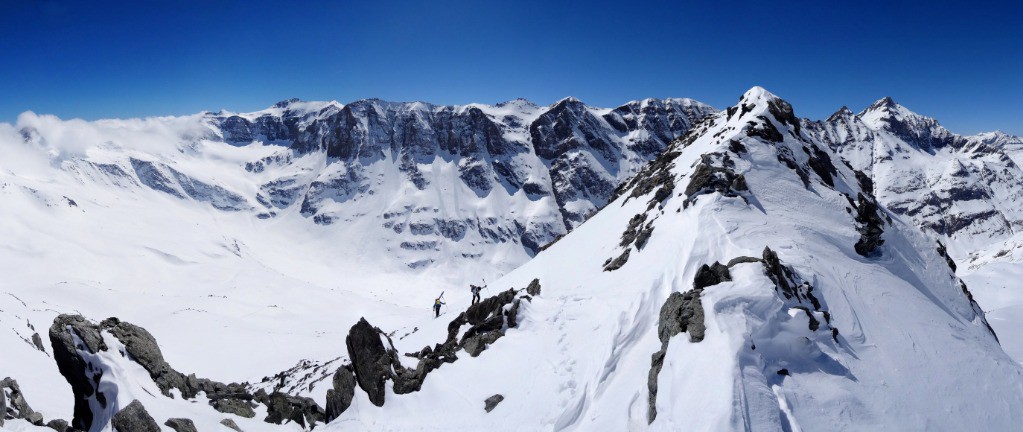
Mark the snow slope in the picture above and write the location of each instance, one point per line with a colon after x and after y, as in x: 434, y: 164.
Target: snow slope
x: 911, y: 352
x: 844, y: 332
x: 965, y: 189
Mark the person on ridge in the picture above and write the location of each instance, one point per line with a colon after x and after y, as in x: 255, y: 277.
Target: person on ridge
x: 475, y: 293
x: 436, y: 307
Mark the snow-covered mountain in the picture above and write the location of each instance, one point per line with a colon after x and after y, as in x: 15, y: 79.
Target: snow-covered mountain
x: 440, y: 186
x: 966, y: 189
x: 746, y: 278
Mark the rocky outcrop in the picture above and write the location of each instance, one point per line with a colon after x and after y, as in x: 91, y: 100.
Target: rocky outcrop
x: 234, y: 406
x: 715, y: 173
x: 13, y: 404
x: 134, y: 418
x: 711, y: 275
x: 68, y: 335
x: 181, y: 425
x: 339, y: 398
x: 231, y: 424
x: 533, y: 288
x: 375, y: 361
x: 681, y: 312
x: 581, y: 155
x: 370, y: 359
x: 59, y: 425
x: 871, y: 226
x: 491, y: 402
x: 73, y: 337
x: 282, y: 408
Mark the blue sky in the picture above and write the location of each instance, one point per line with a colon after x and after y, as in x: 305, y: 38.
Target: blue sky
x: 960, y: 64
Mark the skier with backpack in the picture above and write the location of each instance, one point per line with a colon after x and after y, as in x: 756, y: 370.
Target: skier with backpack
x: 475, y: 293
x: 437, y: 304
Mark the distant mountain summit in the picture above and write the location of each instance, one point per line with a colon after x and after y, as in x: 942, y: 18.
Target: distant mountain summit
x: 964, y: 188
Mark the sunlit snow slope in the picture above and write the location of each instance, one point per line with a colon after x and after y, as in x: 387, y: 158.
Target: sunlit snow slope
x: 968, y: 190
x: 746, y: 279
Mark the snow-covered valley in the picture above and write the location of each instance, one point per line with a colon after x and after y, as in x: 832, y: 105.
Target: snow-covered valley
x: 249, y: 245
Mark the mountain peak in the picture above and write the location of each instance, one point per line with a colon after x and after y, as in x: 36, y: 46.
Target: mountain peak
x: 568, y: 100
x: 885, y: 103
x: 842, y: 113
x: 285, y: 103
x: 756, y: 95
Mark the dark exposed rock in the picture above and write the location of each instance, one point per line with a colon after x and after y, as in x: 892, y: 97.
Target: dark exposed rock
x: 340, y: 397
x: 715, y: 174
x: 492, y: 402
x: 13, y: 404
x: 142, y: 348
x: 38, y: 342
x: 533, y: 288
x: 78, y: 373
x: 783, y: 372
x: 59, y: 425
x: 231, y: 424
x: 821, y: 164
x: 779, y: 274
x: 786, y: 157
x: 237, y: 407
x: 369, y: 360
x: 487, y: 322
x: 763, y: 129
x: 871, y: 226
x: 181, y: 425
x: 681, y: 312
x: 475, y: 344
x: 742, y: 259
x: 629, y: 236
x: 282, y: 408
x: 866, y: 184
x: 711, y: 275
x: 948, y: 259
x: 134, y: 418
x: 488, y: 307
x: 617, y: 263
x: 737, y: 147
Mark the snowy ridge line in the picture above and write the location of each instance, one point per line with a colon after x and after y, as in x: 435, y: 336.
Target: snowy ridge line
x: 265, y: 292
x: 97, y: 360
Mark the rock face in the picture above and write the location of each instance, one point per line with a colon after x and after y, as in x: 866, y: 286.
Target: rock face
x: 72, y: 336
x: 134, y: 418
x: 681, y: 312
x: 561, y: 162
x: 282, y: 408
x: 534, y: 288
x: 375, y: 361
x: 340, y: 397
x: 68, y: 334
x: 13, y: 404
x: 369, y: 359
x: 237, y: 407
x: 181, y: 425
x: 492, y: 402
x: 60, y: 425
x: 231, y: 424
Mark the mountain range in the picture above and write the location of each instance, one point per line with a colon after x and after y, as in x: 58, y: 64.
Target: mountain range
x: 661, y: 265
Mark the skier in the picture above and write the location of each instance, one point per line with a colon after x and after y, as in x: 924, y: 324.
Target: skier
x: 436, y: 306
x: 475, y: 293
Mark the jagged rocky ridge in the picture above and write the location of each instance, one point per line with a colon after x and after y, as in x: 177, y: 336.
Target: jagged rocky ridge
x: 77, y: 343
